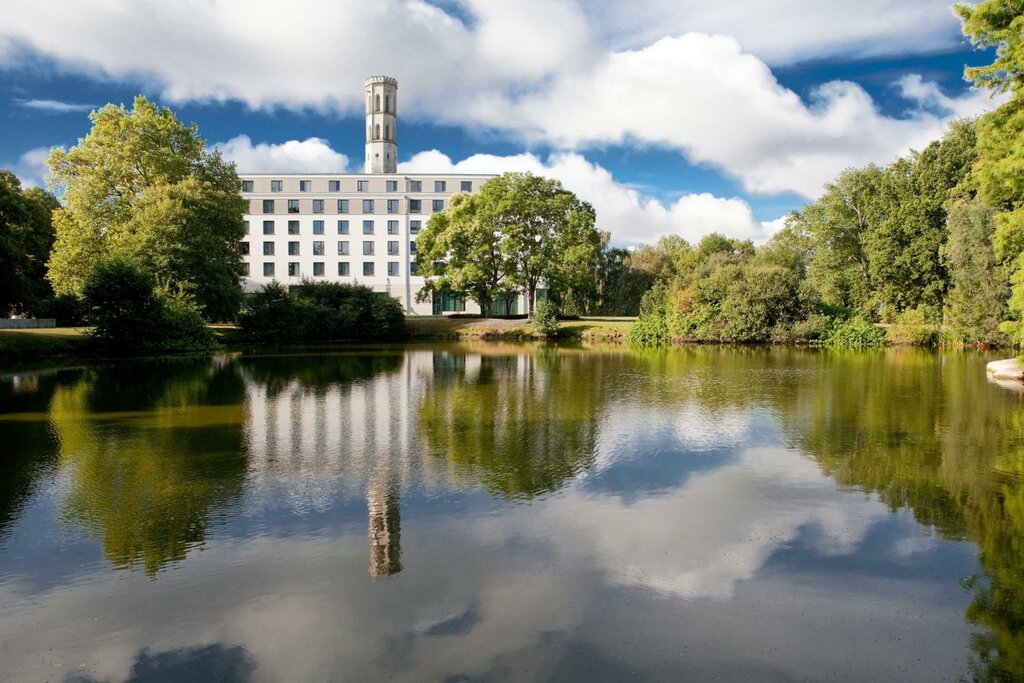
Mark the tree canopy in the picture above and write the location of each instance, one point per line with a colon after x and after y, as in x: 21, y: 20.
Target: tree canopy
x: 142, y: 186
x: 26, y: 237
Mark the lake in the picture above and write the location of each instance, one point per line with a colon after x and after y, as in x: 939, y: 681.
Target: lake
x: 504, y: 512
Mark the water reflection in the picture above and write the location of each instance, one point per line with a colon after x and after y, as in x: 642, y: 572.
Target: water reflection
x: 539, y: 513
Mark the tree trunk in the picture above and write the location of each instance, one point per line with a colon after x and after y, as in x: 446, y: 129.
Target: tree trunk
x: 531, y: 294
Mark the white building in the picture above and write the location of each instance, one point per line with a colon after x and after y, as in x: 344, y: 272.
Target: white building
x: 351, y: 227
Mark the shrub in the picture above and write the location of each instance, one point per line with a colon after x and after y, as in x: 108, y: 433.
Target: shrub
x: 912, y: 327
x: 854, y: 333
x: 545, y: 318
x: 129, y: 315
x: 322, y: 311
x: 67, y: 309
x: 651, y: 327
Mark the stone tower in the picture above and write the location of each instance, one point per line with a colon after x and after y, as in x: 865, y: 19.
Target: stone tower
x: 381, y: 116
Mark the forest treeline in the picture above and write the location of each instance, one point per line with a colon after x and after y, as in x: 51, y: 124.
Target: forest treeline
x: 930, y: 247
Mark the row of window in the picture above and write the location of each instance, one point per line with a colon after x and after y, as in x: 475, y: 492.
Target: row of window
x: 361, y: 186
x: 369, y: 228
x: 270, y: 270
x: 369, y: 206
x: 318, y: 248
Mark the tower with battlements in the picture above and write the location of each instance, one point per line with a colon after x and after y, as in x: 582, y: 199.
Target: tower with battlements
x: 381, y: 118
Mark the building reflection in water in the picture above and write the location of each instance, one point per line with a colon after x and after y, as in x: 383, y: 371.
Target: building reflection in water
x: 385, y: 524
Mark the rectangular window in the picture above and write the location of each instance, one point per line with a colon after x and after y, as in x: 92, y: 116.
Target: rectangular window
x: 243, y: 248
x: 413, y: 267
x: 268, y: 270
x: 246, y: 186
x: 318, y: 269
x: 268, y: 227
x: 342, y: 206
x: 438, y: 205
x: 342, y: 247
x: 293, y: 227
x: 362, y: 186
x: 368, y: 269
x: 367, y: 227
x: 392, y: 185
x: 318, y: 248
x: 412, y: 246
x: 268, y: 206
x: 334, y: 186
x: 268, y: 248
x: 246, y: 227
x: 392, y: 227
x: 392, y: 206
x: 293, y: 248
x: 293, y: 206
x: 439, y: 186
x: 305, y: 185
x: 245, y: 269
x: 392, y: 248
x: 293, y: 269
x: 414, y: 226
x: 367, y: 206
x: 318, y: 227
x: 414, y: 206
x: 343, y: 227
x: 415, y: 186
x: 392, y: 268
x: 318, y: 206
x: 275, y: 186
x: 466, y: 186
x: 343, y: 268
x: 368, y: 248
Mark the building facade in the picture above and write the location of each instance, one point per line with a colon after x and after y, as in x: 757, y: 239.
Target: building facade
x: 351, y: 227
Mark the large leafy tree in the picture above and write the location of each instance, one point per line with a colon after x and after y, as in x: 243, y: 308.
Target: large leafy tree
x: 518, y: 231
x: 998, y: 174
x: 460, y: 251
x: 142, y: 186
x: 26, y: 236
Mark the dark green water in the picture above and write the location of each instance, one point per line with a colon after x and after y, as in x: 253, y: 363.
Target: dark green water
x: 513, y: 513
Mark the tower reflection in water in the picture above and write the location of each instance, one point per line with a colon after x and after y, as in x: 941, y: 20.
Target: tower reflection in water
x: 385, y: 524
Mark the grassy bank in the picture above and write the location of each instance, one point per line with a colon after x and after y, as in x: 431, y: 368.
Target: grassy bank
x: 58, y: 342
x: 588, y: 329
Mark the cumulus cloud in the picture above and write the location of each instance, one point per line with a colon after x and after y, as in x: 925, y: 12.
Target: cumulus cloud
x: 31, y: 167
x: 312, y: 155
x: 629, y: 216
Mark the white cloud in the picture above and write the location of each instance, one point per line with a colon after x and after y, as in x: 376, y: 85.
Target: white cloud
x: 558, y: 73
x: 786, y: 31
x: 312, y: 155
x: 31, y: 167
x: 628, y: 215
x: 54, y: 106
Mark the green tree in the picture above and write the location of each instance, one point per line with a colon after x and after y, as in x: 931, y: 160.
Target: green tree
x: 26, y: 237
x: 460, y: 251
x: 141, y: 186
x: 977, y: 299
x: 999, y: 24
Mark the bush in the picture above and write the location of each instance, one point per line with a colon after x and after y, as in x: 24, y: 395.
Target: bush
x: 912, y: 327
x: 67, y: 309
x: 651, y: 327
x: 854, y: 333
x: 129, y: 315
x: 545, y: 319
x: 322, y: 311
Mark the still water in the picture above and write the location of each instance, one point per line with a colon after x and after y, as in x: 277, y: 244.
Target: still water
x: 513, y: 513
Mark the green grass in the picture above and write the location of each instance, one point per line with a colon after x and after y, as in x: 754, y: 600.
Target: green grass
x: 438, y: 327
x: 55, y: 342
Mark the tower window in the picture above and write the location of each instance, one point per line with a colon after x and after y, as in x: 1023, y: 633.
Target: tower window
x: 376, y: 102
x: 387, y: 132
x: 376, y: 131
x: 387, y: 103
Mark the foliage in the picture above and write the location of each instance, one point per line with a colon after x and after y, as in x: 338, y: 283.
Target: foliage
x: 545, y: 319
x: 855, y: 332
x: 130, y: 315
x: 320, y: 311
x: 651, y: 327
x: 913, y: 327
x: 978, y: 289
x: 518, y: 230
x: 142, y: 187
x: 26, y: 236
x: 999, y: 24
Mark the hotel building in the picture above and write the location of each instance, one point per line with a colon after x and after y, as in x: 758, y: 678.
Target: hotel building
x: 352, y: 227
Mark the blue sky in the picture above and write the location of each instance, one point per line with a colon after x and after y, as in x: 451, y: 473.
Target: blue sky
x: 670, y: 118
